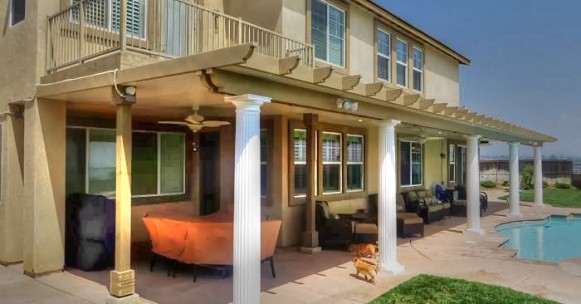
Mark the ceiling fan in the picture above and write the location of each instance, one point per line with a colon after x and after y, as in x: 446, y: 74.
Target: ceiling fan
x: 196, y: 122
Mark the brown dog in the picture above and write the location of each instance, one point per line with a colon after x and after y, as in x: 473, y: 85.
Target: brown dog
x: 366, y: 268
x: 364, y: 250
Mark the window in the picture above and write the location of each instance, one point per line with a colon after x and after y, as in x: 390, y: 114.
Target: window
x: 300, y: 162
x: 411, y: 163
x: 355, y: 156
x: 17, y: 11
x: 402, y: 62
x: 158, y: 161
x: 328, y: 32
x: 331, y: 151
x: 452, y: 163
x: 418, y: 69
x: 383, y: 55
x: 264, y: 149
x: 105, y: 14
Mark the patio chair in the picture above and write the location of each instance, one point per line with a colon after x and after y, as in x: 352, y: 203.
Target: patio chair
x: 333, y: 231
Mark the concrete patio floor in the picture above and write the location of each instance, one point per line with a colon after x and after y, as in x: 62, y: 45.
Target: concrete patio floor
x: 327, y: 277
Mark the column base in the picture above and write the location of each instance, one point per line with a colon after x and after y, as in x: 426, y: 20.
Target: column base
x: 310, y: 239
x: 310, y: 250
x: 392, y: 268
x: 131, y: 299
x: 122, y: 283
x: 477, y: 231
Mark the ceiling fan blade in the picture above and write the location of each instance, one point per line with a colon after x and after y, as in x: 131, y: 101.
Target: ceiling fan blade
x: 182, y: 123
x: 214, y: 123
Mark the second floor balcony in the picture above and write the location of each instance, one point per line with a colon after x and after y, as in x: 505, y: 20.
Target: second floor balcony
x: 170, y: 29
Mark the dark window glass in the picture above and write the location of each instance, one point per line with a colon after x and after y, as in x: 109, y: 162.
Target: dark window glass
x: 144, y: 164
x: 17, y: 11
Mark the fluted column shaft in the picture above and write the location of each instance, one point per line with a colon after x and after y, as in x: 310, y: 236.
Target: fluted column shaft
x: 386, y: 198
x: 538, y: 176
x: 473, y: 184
x: 514, y: 179
x: 247, y: 198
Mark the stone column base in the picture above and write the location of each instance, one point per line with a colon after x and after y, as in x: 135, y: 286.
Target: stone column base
x: 310, y: 250
x: 131, y: 299
x: 393, y: 268
x: 476, y: 231
x: 122, y: 283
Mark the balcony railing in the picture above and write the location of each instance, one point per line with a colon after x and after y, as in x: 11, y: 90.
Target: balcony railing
x: 168, y: 28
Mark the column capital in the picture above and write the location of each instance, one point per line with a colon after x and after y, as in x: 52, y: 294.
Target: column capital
x: 388, y: 123
x: 514, y: 143
x: 538, y: 144
x: 247, y: 100
x: 472, y: 137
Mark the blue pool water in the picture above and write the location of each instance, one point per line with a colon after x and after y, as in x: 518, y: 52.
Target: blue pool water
x: 551, y: 240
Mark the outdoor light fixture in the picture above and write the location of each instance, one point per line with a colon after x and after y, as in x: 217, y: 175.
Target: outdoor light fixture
x: 130, y: 90
x: 347, y: 104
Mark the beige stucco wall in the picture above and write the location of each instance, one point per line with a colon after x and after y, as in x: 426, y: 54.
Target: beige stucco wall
x: 294, y: 20
x: 264, y: 13
x: 434, y: 165
x: 442, y: 77
x: 361, y: 44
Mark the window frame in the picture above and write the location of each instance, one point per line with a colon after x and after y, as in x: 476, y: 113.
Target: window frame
x: 452, y: 163
x: 158, y: 138
x: 293, y: 161
x: 411, y: 185
x: 327, y: 33
x: 11, y: 6
x: 379, y: 54
x: 340, y: 162
x: 414, y: 69
x: 405, y: 64
x: 361, y: 163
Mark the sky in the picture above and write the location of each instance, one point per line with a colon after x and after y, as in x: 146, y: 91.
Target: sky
x: 525, y: 62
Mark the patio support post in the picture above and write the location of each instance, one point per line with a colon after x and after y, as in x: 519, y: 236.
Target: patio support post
x: 43, y: 196
x: 311, y: 236
x: 122, y: 278
x: 11, y: 208
x: 538, y: 176
x: 247, y: 198
x: 387, y: 237
x: 473, y: 185
x: 514, y: 180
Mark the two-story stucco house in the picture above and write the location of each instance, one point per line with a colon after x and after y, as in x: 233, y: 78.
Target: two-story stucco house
x: 287, y: 102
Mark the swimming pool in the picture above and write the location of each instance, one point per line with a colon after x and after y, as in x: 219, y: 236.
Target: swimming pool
x: 551, y: 240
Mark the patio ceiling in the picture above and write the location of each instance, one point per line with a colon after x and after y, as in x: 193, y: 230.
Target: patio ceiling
x: 170, y: 88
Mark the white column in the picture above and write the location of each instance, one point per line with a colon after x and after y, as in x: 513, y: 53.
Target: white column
x: 538, y: 176
x: 386, y: 199
x: 514, y: 180
x: 247, y: 198
x: 473, y: 185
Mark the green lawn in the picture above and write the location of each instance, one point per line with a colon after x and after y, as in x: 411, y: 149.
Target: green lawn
x: 438, y: 290
x: 554, y: 197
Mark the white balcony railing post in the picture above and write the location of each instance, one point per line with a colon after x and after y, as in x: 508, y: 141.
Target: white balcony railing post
x: 81, y: 31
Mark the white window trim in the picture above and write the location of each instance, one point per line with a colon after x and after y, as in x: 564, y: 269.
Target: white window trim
x: 263, y: 162
x: 421, y: 71
x: 410, y: 167
x: 87, y: 155
x: 10, y: 21
x: 340, y: 163
x: 362, y: 162
x: 388, y: 56
x: 327, y: 34
x: 402, y: 63
x: 295, y: 162
x: 452, y: 162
